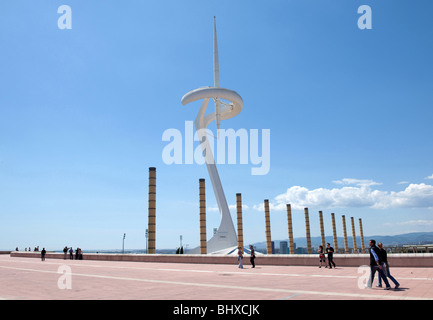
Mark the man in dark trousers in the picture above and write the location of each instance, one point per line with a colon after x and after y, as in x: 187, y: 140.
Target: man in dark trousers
x: 330, y: 252
x: 252, y: 257
x: 43, y: 252
x: 376, y: 265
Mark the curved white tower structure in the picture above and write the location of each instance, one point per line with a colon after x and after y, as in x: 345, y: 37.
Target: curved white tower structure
x: 225, y: 237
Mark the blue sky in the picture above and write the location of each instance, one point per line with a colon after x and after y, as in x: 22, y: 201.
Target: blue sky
x: 82, y: 113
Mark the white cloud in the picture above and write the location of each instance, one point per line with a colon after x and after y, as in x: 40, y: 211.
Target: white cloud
x: 429, y: 177
x: 356, y: 182
x: 360, y: 195
x: 416, y: 223
x: 414, y: 196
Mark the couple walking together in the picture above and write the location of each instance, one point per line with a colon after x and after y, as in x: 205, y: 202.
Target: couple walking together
x: 379, y: 263
x: 241, y: 257
x: 330, y: 252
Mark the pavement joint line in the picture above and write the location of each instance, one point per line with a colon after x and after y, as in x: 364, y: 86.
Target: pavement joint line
x: 368, y: 296
x: 291, y: 296
x: 211, y: 271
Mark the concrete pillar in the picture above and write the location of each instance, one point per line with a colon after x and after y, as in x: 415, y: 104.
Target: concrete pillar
x: 268, y: 228
x: 307, y: 228
x: 346, y: 245
x: 152, y: 211
x: 355, y: 249
x: 202, y: 192
x: 289, y: 222
x: 334, y: 233
x: 322, y: 230
x: 362, y: 236
x: 239, y: 214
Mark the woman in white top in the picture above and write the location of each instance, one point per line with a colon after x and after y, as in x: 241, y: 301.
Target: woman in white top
x: 240, y: 257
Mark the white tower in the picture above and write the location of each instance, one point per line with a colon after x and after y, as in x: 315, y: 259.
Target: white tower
x: 225, y: 237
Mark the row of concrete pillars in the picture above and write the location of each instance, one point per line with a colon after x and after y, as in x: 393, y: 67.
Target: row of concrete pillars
x: 307, y: 231
x: 322, y: 231
x: 203, y: 249
x: 289, y: 223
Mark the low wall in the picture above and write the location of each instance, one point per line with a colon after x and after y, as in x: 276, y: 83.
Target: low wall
x: 341, y: 260
x: 5, y: 252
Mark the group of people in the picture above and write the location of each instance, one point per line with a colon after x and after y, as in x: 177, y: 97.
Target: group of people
x: 78, y: 253
x: 241, y: 257
x: 330, y: 252
x: 378, y: 263
x: 43, y: 252
x: 36, y: 249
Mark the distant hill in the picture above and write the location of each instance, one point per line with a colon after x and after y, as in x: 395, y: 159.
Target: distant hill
x: 388, y: 241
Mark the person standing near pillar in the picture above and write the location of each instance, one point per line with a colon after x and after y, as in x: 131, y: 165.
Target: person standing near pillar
x: 43, y: 252
x: 321, y: 256
x: 252, y: 257
x: 240, y: 258
x: 330, y: 252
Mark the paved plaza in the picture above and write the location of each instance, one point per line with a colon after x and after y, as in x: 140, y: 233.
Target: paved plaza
x: 31, y: 278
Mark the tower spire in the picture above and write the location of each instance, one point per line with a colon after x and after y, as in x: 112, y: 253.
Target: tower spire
x: 225, y: 237
x: 216, y: 67
x: 216, y: 76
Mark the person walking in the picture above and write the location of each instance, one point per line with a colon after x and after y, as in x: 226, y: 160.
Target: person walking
x: 71, y: 254
x: 330, y: 252
x: 240, y: 257
x: 385, y: 265
x: 252, y: 257
x: 376, y: 265
x: 43, y: 252
x: 321, y: 256
x: 65, y: 252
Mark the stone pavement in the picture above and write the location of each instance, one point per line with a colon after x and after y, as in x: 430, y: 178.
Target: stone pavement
x: 54, y: 279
